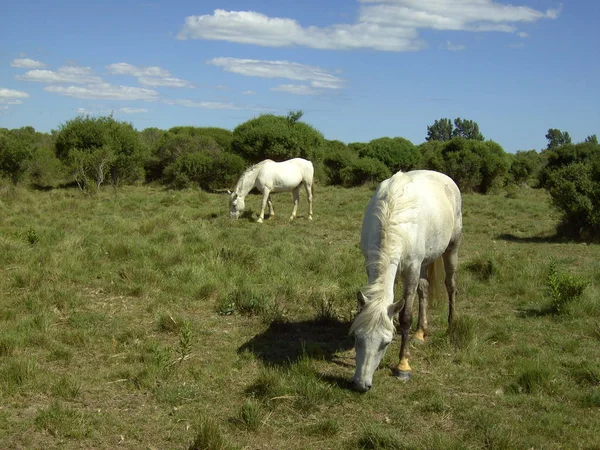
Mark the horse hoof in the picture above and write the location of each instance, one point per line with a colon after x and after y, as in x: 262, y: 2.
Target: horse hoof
x: 309, y: 217
x: 259, y: 220
x: 402, y: 375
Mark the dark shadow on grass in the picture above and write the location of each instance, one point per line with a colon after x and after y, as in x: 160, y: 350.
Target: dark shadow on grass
x: 283, y: 343
x: 532, y: 239
x: 543, y: 311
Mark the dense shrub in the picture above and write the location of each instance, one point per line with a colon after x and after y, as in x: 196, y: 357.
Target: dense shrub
x: 209, y: 170
x: 44, y: 168
x: 277, y: 138
x: 16, y: 149
x: 575, y: 192
x: 525, y: 167
x: 396, y: 153
x: 337, y: 156
x: 221, y: 136
x: 364, y: 170
x: 100, y: 147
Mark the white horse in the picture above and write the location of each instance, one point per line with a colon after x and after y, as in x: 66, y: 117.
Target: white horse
x: 268, y: 176
x: 412, y: 226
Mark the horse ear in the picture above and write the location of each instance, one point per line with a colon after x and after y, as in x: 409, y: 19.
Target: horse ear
x: 395, y: 308
x: 361, y: 299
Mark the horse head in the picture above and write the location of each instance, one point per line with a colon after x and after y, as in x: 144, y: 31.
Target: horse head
x: 236, y: 205
x: 373, y: 331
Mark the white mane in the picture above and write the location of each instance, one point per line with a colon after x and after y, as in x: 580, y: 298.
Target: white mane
x: 240, y: 184
x: 394, y: 207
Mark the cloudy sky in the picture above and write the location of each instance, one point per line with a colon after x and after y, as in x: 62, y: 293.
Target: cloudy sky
x: 359, y: 69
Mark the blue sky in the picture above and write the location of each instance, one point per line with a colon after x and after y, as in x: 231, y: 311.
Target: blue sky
x: 359, y: 69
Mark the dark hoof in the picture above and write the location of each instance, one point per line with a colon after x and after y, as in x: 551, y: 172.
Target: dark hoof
x: 402, y: 375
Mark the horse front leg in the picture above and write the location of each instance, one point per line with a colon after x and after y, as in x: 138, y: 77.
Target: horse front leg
x: 403, y: 370
x: 263, y: 205
x: 296, y: 194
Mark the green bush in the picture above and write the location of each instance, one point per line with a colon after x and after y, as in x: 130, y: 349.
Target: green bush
x: 336, y: 158
x: 114, y: 147
x: 277, y: 138
x: 16, y: 150
x: 396, y: 153
x: 564, y: 289
x: 364, y: 170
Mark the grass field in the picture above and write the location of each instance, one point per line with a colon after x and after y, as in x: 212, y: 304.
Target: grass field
x: 146, y: 319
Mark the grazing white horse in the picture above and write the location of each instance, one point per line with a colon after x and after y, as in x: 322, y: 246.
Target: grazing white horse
x: 412, y: 224
x: 269, y: 176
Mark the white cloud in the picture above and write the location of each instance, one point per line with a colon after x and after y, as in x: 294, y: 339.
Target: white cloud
x: 248, y: 27
x: 454, y: 47
x: 66, y: 74
x: 522, y: 34
x: 389, y: 25
x: 128, y: 69
x: 11, y: 96
x: 152, y: 76
x: 26, y: 63
x: 105, y: 91
x: 128, y: 110
x: 204, y: 105
x: 167, y: 81
x: 317, y: 77
x: 296, y: 89
x: 465, y: 15
x: 248, y: 92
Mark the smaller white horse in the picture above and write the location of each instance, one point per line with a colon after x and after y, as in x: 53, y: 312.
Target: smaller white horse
x: 412, y: 223
x: 269, y: 176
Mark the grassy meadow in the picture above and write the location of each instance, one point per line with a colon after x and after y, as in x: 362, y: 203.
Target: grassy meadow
x: 144, y: 318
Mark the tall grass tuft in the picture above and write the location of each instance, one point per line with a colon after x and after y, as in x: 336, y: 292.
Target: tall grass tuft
x: 564, y: 289
x: 378, y: 438
x: 209, y: 436
x: 483, y: 268
x: 534, y: 379
x: 462, y: 332
x: 252, y: 414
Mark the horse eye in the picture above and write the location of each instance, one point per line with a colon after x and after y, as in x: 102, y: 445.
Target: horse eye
x: 384, y: 345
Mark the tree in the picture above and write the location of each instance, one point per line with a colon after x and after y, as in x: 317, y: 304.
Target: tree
x: 441, y: 130
x: 592, y: 139
x: 467, y: 129
x: 557, y: 138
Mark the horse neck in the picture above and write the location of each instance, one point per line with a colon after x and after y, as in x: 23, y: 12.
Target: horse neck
x: 246, y: 181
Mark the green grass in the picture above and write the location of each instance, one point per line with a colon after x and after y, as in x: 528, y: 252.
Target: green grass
x: 145, y: 318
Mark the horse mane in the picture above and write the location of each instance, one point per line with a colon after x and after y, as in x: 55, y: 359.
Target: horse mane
x: 248, y: 171
x: 394, y: 207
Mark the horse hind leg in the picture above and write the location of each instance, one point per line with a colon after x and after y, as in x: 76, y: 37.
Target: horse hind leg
x: 309, y: 195
x: 423, y: 293
x: 451, y: 265
x: 271, y: 210
x: 296, y: 195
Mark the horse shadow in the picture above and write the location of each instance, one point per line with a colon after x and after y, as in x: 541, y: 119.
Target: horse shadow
x: 531, y: 239
x: 284, y: 343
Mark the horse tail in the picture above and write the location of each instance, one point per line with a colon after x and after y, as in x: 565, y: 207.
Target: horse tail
x: 436, y: 274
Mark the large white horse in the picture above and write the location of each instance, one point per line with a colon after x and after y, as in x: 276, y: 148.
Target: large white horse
x: 269, y: 176
x: 412, y: 223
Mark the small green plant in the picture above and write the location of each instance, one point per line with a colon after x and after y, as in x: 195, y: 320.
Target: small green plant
x: 483, y: 268
x: 66, y: 388
x: 61, y: 421
x: 32, y: 236
x: 462, y: 332
x: 252, y: 414
x: 532, y: 380
x: 377, y: 438
x: 565, y: 289
x: 184, y: 347
x: 209, y: 436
